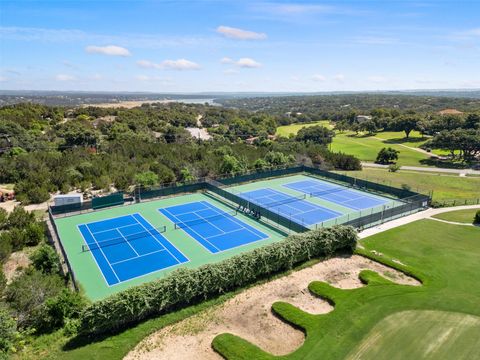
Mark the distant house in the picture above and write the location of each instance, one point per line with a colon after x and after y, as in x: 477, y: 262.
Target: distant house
x: 362, y: 118
x: 450, y: 112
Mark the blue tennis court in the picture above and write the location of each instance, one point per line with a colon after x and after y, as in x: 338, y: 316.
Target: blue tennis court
x: 297, y: 209
x: 337, y: 194
x: 127, y: 247
x: 212, y: 227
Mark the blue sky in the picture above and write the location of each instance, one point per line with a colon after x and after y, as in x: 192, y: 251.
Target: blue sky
x: 194, y: 46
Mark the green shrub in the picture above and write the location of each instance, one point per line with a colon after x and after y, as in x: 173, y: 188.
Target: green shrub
x: 27, y: 294
x: 3, y: 218
x: 5, y: 246
x: 187, y: 286
x: 476, y: 219
x: 8, y: 331
x: 57, y: 311
x: 393, y: 167
x: 34, y: 234
x: 46, y: 260
x: 20, y: 218
x: 3, y: 281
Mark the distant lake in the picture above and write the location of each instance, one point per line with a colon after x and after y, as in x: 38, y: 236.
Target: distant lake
x: 196, y: 101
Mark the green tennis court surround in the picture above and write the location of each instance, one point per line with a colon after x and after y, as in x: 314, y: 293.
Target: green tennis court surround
x: 150, y: 239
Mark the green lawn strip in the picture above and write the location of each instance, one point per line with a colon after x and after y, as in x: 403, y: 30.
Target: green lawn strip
x: 445, y: 186
x: 444, y: 256
x: 293, y: 129
x: 366, y: 148
x: 461, y: 216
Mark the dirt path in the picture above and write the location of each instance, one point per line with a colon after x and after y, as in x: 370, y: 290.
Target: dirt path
x: 249, y: 314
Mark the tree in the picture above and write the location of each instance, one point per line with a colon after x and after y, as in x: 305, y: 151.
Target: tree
x: 55, y: 312
x: 407, y: 124
x: 186, y: 176
x: 387, y: 155
x: 46, y: 260
x: 20, y: 218
x: 146, y: 179
x: 315, y: 134
x: 231, y: 165
x: 472, y: 121
x: 260, y: 164
x: 369, y: 126
x: 467, y: 142
x: 78, y: 133
x: 28, y: 292
x: 277, y: 158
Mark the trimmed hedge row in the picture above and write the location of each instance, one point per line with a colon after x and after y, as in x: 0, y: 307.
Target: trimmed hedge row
x: 186, y: 286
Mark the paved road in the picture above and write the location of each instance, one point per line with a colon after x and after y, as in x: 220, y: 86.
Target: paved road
x: 427, y: 169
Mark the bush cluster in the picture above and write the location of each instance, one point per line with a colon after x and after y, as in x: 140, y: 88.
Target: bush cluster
x: 187, y: 286
x: 17, y: 230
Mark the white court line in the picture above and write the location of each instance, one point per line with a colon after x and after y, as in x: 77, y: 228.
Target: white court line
x: 165, y: 209
x: 208, y: 221
x: 178, y: 261
x: 128, y: 242
x: 120, y: 227
x: 237, y: 221
x: 106, y: 259
x: 227, y: 233
x: 94, y: 258
x: 138, y: 257
x: 188, y: 212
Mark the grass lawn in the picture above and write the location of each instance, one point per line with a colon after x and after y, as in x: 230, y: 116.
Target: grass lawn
x: 462, y: 216
x: 444, y: 186
x: 293, y: 129
x: 438, y: 320
x: 366, y: 148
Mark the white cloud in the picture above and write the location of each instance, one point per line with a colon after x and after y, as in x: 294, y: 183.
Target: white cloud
x: 226, y: 60
x: 339, y: 77
x: 247, y: 63
x: 242, y: 62
x: 3, y: 79
x: 64, y: 77
x: 240, y: 34
x: 180, y: 64
x: 318, y: 77
x: 111, y: 50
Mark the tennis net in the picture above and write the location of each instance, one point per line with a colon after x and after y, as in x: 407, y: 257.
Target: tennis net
x: 122, y: 239
x: 326, y: 192
x: 290, y: 199
x: 203, y: 220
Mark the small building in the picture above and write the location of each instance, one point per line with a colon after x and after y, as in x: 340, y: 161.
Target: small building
x: 68, y: 199
x: 450, y: 112
x: 362, y: 118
